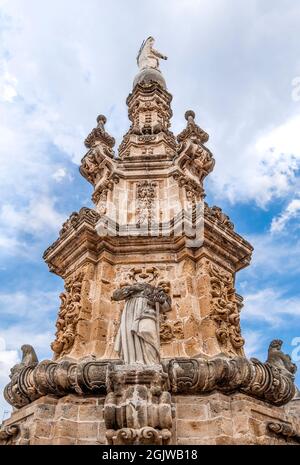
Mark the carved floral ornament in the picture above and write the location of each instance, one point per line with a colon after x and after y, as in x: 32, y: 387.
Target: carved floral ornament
x: 68, y: 315
x: 225, y: 310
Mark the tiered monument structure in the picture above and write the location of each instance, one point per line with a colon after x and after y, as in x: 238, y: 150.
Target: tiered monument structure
x: 148, y: 346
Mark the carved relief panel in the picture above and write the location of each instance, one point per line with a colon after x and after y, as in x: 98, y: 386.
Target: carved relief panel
x: 225, y: 307
x: 74, y: 308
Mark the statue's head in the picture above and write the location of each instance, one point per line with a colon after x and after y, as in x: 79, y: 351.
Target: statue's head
x: 26, y: 348
x: 150, y: 40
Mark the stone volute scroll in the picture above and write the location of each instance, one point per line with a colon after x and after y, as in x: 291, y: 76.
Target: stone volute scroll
x: 137, y: 340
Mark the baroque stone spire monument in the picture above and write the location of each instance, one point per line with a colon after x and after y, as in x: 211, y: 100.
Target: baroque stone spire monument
x: 148, y: 346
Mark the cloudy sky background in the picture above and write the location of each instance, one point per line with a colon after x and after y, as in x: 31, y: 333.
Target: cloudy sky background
x: 236, y: 64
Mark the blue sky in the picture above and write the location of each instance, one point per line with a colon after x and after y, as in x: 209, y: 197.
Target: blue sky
x: 236, y: 64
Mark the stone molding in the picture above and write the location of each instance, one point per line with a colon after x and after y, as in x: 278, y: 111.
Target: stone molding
x: 182, y: 375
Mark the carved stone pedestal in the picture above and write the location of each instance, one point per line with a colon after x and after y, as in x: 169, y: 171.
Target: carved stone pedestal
x: 214, y: 418
x: 137, y: 408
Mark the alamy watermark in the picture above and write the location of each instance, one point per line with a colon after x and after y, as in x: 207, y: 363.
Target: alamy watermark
x: 296, y: 351
x: 148, y: 216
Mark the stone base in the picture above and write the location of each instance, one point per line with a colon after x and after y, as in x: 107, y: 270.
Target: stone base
x: 231, y: 419
x: 198, y: 419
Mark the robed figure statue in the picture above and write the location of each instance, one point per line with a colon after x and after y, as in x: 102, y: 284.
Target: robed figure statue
x: 137, y: 340
x: 148, y: 57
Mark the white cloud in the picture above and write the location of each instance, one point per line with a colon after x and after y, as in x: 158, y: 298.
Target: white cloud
x: 8, y: 358
x: 60, y: 174
x: 31, y: 317
x: 272, y: 258
x: 254, y: 343
x: 270, y: 306
x: 291, y: 211
x: 8, y: 87
x: 265, y: 169
x: 34, y: 218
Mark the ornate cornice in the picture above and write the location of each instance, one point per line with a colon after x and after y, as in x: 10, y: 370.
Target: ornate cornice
x: 185, y: 375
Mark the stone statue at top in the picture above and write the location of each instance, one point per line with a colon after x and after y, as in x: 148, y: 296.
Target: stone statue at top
x: 148, y: 57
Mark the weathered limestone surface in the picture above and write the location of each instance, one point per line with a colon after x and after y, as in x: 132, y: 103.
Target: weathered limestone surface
x: 230, y: 419
x: 198, y: 419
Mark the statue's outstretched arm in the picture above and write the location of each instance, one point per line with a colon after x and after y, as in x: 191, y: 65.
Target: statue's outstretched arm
x: 158, y: 54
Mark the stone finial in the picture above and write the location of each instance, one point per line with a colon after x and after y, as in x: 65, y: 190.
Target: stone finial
x: 192, y: 130
x: 190, y: 116
x: 193, y: 157
x: 101, y: 120
x: 99, y: 136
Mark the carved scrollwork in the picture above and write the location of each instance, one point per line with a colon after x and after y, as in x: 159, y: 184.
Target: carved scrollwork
x: 254, y: 378
x: 225, y: 310
x: 7, y: 433
x: 68, y: 315
x: 99, y: 197
x: 202, y: 375
x: 284, y: 429
x: 142, y: 436
x: 94, y: 165
x: 58, y: 378
x: 194, y: 191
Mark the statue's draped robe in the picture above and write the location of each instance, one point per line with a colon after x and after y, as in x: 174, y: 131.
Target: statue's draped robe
x: 137, y: 340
